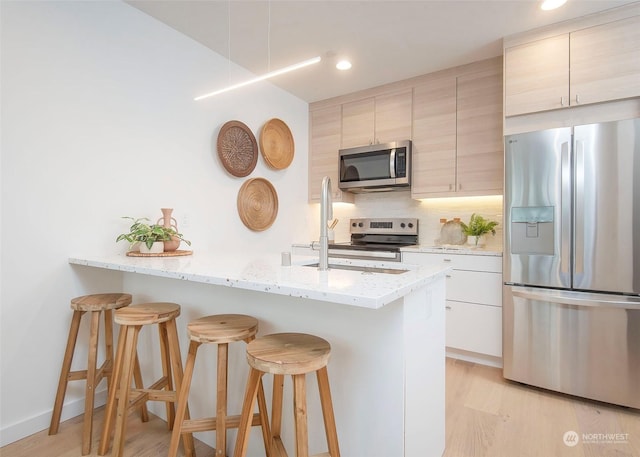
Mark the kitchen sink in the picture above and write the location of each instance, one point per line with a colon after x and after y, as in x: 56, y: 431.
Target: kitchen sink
x: 362, y: 268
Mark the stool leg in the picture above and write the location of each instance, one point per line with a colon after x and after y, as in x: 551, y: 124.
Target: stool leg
x: 221, y: 400
x: 264, y: 419
x: 166, y: 370
x: 327, y: 412
x: 128, y: 363
x: 300, y: 409
x: 108, y: 346
x: 176, y: 360
x: 89, y: 396
x: 276, y: 413
x: 64, y: 372
x: 183, y: 398
x: 246, y: 417
x: 262, y: 412
x: 111, y: 402
x: 137, y: 379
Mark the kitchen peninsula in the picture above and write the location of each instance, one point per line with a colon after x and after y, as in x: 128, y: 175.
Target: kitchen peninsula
x: 386, y: 331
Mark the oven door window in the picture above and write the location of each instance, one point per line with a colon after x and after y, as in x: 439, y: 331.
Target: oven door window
x: 366, y: 167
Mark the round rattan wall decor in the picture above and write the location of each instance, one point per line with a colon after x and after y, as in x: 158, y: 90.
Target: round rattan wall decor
x: 237, y: 148
x: 276, y: 144
x: 257, y: 204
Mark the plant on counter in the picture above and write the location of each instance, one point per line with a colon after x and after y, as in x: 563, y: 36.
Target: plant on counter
x: 478, y: 226
x: 142, y: 232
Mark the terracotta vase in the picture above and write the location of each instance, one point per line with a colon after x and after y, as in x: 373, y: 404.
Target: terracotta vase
x: 169, y: 222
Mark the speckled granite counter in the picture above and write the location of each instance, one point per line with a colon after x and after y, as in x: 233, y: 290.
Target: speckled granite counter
x: 354, y: 288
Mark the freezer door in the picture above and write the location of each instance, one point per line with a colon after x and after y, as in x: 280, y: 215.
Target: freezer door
x: 578, y: 343
x: 607, y: 207
x: 537, y: 218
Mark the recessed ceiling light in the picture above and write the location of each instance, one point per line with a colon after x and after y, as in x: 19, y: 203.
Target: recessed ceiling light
x: 552, y: 4
x: 343, y: 65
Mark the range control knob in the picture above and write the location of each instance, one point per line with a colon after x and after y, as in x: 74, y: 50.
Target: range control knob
x: 410, y: 224
x: 360, y: 224
x: 402, y: 225
x: 353, y: 224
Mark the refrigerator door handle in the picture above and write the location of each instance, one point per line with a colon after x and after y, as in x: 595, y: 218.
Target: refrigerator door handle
x: 565, y: 202
x: 579, y: 209
x: 577, y: 298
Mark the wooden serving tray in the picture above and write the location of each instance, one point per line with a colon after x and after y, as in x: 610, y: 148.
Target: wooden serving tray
x: 175, y: 253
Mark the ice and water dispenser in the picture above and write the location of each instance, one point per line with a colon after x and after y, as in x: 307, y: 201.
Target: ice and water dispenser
x: 532, y: 230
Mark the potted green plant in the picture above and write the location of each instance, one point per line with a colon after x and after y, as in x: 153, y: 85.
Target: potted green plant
x: 149, y: 237
x: 477, y: 228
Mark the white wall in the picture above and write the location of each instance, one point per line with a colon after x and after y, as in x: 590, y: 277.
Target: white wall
x: 98, y: 122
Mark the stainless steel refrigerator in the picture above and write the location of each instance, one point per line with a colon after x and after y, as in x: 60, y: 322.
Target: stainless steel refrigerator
x: 571, y: 296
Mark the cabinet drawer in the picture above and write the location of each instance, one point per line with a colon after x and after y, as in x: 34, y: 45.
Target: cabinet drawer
x: 475, y: 287
x: 475, y: 328
x: 456, y: 261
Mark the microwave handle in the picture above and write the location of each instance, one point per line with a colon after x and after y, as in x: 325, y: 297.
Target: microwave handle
x: 392, y: 163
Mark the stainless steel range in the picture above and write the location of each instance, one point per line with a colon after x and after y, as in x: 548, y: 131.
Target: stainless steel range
x: 377, y: 239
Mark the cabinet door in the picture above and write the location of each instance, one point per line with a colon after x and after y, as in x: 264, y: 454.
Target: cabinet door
x: 475, y: 328
x: 434, y: 138
x: 481, y: 287
x: 393, y: 117
x: 480, y: 156
x: 358, y: 120
x: 537, y: 76
x: 324, y: 139
x: 605, y: 62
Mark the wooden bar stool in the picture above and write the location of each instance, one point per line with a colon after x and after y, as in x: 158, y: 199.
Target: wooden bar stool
x: 221, y: 330
x: 294, y: 354
x: 131, y: 319
x: 94, y: 304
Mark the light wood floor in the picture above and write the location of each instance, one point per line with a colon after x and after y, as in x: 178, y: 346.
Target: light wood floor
x: 486, y: 417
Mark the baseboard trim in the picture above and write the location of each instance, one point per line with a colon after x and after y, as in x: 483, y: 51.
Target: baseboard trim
x: 474, y: 357
x: 35, y: 424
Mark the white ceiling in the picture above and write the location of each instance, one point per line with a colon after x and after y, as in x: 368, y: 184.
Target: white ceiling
x: 386, y: 40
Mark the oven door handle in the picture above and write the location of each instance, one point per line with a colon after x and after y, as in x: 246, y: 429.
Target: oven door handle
x: 389, y: 256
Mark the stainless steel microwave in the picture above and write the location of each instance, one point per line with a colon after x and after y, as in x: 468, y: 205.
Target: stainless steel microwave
x: 377, y: 167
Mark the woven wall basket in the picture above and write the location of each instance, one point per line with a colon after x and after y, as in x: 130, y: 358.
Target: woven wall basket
x: 276, y: 144
x: 257, y: 204
x: 237, y: 148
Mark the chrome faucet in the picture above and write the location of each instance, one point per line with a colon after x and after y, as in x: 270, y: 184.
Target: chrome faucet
x: 326, y: 213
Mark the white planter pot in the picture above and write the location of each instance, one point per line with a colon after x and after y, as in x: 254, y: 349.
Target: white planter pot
x: 156, y: 248
x: 477, y: 241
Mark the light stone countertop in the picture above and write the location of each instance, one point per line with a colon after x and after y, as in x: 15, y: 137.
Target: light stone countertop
x: 265, y: 274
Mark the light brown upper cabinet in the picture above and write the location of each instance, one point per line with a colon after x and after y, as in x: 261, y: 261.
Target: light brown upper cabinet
x: 434, y: 137
x: 379, y: 119
x: 590, y: 65
x: 453, y: 117
x: 605, y: 62
x: 480, y: 156
x: 324, y: 139
x: 457, y: 135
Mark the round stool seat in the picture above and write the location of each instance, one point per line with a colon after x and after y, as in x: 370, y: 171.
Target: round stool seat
x: 100, y: 302
x: 147, y: 313
x: 288, y: 353
x: 222, y: 328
